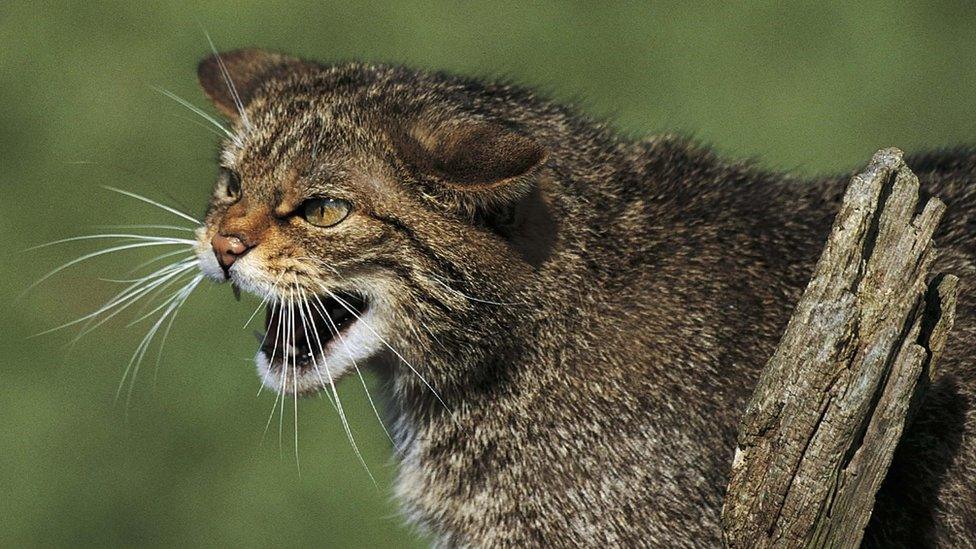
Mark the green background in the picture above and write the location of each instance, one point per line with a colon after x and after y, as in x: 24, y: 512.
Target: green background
x: 810, y: 87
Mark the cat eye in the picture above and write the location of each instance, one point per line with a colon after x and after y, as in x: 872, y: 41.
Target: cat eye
x: 325, y: 212
x: 230, y: 182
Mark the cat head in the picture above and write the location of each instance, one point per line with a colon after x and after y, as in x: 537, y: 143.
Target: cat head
x: 379, y: 211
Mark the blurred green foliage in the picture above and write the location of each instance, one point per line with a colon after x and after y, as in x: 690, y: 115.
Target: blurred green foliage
x: 809, y: 86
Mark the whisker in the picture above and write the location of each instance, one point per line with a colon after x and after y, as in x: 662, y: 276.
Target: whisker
x: 134, y: 291
x: 91, y: 325
x: 185, y: 269
x: 294, y: 384
x: 230, y: 84
x: 157, y: 258
x: 438, y: 280
x: 321, y: 264
x: 162, y: 342
x: 93, y: 255
x: 278, y: 336
x: 263, y: 301
x: 335, y: 393
x: 169, y: 326
x: 265, y: 338
x: 200, y: 112
x: 284, y: 371
x: 140, y: 351
x: 117, y: 236
x: 335, y: 330
x: 284, y: 365
x: 255, y: 313
x: 196, y: 122
x: 315, y: 366
x: 160, y: 227
x: 169, y: 209
x: 352, y: 311
x: 150, y: 313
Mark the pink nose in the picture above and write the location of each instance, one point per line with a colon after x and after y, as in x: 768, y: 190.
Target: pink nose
x: 228, y: 249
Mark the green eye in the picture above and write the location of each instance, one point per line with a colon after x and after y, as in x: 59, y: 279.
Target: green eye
x: 325, y: 212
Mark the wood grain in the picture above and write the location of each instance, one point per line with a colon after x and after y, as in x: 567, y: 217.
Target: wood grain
x: 818, y: 435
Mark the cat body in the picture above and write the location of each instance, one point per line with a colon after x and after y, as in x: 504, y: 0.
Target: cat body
x: 568, y: 323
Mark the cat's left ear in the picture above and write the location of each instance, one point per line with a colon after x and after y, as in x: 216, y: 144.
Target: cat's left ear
x: 231, y: 78
x: 475, y: 160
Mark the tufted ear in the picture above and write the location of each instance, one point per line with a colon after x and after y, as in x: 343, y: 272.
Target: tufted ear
x: 231, y: 78
x: 470, y: 154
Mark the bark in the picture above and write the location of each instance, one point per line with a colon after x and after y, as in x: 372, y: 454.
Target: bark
x: 818, y: 434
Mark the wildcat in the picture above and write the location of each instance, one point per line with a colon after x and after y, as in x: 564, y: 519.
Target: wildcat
x: 567, y: 322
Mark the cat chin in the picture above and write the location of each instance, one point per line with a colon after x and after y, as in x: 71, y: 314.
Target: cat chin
x: 282, y: 380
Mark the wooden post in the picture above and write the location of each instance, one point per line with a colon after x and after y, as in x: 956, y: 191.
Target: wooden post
x: 818, y: 435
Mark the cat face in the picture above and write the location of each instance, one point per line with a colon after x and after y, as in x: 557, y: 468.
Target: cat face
x: 366, y: 214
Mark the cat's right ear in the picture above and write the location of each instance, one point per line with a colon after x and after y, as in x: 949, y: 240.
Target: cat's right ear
x: 231, y: 78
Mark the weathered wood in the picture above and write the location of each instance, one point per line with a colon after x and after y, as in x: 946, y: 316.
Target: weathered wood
x: 818, y: 435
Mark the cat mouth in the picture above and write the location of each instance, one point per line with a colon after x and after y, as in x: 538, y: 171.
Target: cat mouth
x: 302, y: 335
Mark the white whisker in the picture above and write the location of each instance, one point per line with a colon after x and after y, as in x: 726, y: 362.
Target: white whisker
x: 126, y: 296
x: 230, y: 84
x: 158, y: 258
x: 315, y: 365
x: 264, y: 300
x: 169, y: 326
x: 200, y: 112
x: 140, y: 351
x: 278, y: 337
x: 335, y: 393
x: 117, y: 236
x: 159, y: 227
x: 169, y: 209
x: 352, y: 311
x: 290, y: 349
x: 185, y: 269
x: 196, y: 122
x: 335, y: 330
x: 162, y: 342
x: 321, y: 264
x: 294, y: 384
x: 150, y: 292
x: 152, y: 312
x: 437, y: 279
x: 93, y: 255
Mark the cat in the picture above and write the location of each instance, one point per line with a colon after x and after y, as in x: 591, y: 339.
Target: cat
x: 567, y: 322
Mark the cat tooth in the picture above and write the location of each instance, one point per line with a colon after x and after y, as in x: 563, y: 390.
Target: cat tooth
x: 237, y: 291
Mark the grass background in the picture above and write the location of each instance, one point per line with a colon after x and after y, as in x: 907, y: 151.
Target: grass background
x: 812, y: 87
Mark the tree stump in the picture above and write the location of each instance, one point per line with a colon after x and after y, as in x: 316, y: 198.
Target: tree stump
x: 819, y: 433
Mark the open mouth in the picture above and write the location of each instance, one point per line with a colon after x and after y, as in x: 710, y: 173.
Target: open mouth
x: 297, y: 333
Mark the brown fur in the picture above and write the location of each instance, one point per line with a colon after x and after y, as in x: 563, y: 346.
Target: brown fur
x: 613, y: 301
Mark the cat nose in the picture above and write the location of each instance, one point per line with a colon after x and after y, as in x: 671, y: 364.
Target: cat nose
x: 228, y: 248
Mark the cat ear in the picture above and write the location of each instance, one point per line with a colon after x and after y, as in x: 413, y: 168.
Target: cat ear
x: 471, y: 155
x: 231, y: 78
